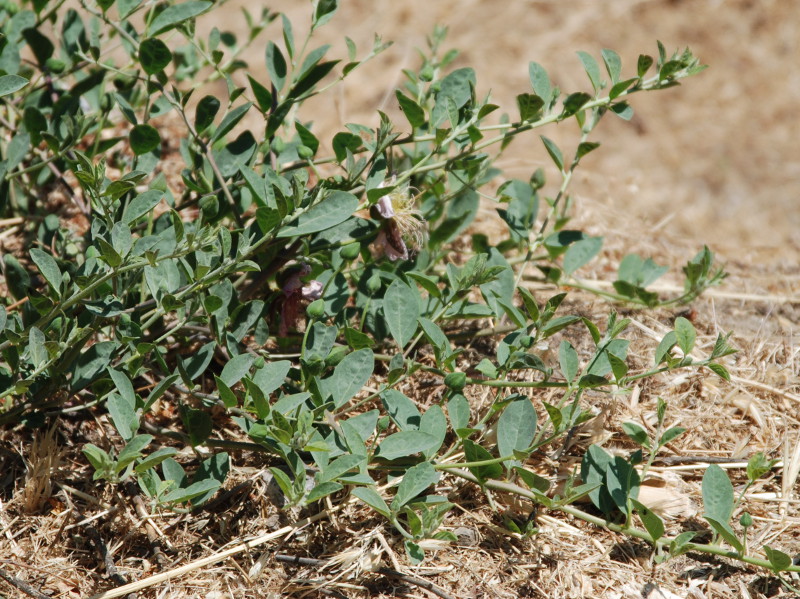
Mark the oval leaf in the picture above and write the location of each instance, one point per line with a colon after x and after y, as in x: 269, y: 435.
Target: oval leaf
x: 154, y: 55
x: 11, y: 83
x: 144, y: 139
x: 141, y: 205
x: 48, y: 267
x: 334, y: 209
x: 401, y: 310
x: 177, y: 14
x: 516, y: 427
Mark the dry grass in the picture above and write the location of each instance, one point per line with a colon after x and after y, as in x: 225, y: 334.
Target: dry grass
x: 713, y: 161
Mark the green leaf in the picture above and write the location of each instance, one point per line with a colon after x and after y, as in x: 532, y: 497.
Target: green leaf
x: 581, y: 252
x: 325, y: 10
x: 554, y: 152
x: 336, y: 208
x: 652, y: 522
x: 154, y: 55
x: 144, y: 139
x: 401, y: 310
x: 568, y: 360
x: 271, y: 376
x: 636, y: 433
x: 458, y: 411
x: 121, y: 239
x: 344, y: 141
x: 37, y: 349
x: 622, y: 482
x: 123, y: 415
x: 197, y: 362
x: 205, y: 112
x: 717, y: 494
x: 262, y: 95
x: 404, y: 443
x: 685, y: 335
x: 415, y: 481
x: 434, y: 423
x: 194, y: 490
x: 530, y: 106
x: 670, y: 434
x: 230, y: 121
x: 758, y: 465
x: 664, y: 347
x: 124, y: 386
x: 413, y: 111
x: 99, y: 459
x: 322, y: 490
x: 40, y: 45
x: 475, y: 453
x: 227, y: 396
x: 574, y: 102
x: 643, y: 64
x: 724, y: 529
x: 340, y: 466
x: 370, y: 496
x: 613, y: 64
x: 276, y: 66
x: 349, y: 376
x: 236, y: 368
x: 312, y: 77
x: 516, y: 427
x: 48, y: 267
x: 401, y: 410
x: 132, y: 451
x: 591, y: 68
x: 540, y: 81
x: 777, y: 559
x: 586, y: 147
x: 198, y: 425
x: 141, y: 205
x: 11, y: 83
x: 91, y: 363
x: 176, y: 14
x: 679, y: 543
x: 623, y: 110
x: 594, y: 466
x: 415, y: 553
x: 154, y: 459
x: 236, y: 154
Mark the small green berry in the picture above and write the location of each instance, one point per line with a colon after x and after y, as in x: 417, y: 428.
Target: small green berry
x: 55, y: 65
x: 350, y: 251
x: 374, y: 283
x: 316, y: 309
x: 456, y: 381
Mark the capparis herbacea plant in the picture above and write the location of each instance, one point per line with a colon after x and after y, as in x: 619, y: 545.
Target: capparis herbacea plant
x: 296, y: 287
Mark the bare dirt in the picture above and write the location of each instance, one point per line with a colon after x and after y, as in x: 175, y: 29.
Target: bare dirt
x: 713, y: 161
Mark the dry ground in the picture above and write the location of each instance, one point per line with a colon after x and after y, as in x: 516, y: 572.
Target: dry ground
x: 713, y: 161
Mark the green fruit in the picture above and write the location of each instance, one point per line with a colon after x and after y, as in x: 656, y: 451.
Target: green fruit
x: 55, y: 65
x: 337, y: 355
x: 350, y: 251
x: 456, y: 381
x: 316, y: 309
x: 305, y: 152
x: 374, y: 283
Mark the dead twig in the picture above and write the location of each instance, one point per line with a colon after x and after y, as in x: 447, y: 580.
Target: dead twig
x: 407, y: 578
x: 108, y: 561
x: 21, y: 585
